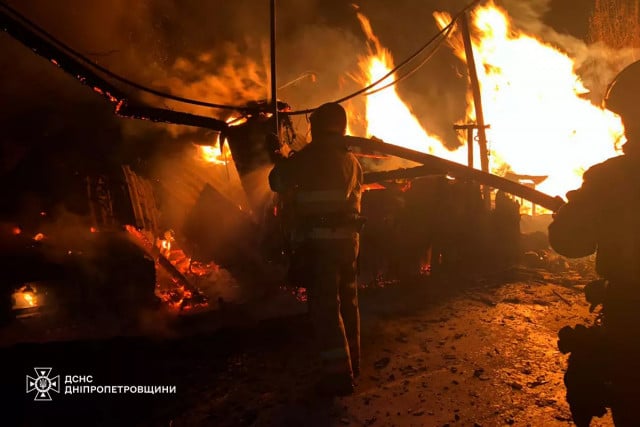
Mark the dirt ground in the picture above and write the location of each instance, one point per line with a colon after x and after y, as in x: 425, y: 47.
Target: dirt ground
x: 468, y: 352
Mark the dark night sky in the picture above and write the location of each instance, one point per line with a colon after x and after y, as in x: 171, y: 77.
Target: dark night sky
x: 144, y: 39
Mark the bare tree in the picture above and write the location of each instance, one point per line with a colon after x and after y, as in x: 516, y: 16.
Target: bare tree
x: 616, y: 23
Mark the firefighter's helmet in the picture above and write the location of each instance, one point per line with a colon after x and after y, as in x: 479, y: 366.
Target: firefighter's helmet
x: 623, y: 94
x: 329, y: 117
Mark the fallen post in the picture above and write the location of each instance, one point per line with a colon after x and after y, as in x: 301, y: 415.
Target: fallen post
x: 435, y: 165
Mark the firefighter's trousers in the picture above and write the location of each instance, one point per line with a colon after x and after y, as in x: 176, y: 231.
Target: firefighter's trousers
x: 333, y: 302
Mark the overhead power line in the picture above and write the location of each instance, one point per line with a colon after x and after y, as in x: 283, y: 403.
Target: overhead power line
x: 367, y: 90
x: 410, y: 58
x: 110, y: 73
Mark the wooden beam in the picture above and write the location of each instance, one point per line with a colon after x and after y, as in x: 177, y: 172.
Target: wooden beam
x: 436, y: 165
x: 477, y: 100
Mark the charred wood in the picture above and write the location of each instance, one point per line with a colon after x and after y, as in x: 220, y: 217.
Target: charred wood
x: 163, y: 115
x: 433, y: 164
x: 72, y: 66
x: 143, y: 242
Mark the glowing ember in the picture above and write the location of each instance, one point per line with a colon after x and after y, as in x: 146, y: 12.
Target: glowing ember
x: 203, y: 269
x: 16, y: 230
x: 540, y: 125
x: 38, y: 237
x: 299, y: 293
x: 425, y: 269
x: 173, y: 291
x: 374, y: 186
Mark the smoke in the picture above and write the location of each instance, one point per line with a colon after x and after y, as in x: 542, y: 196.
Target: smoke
x: 183, y: 176
x: 527, y: 15
x: 596, y: 63
x: 218, y: 52
x: 213, y: 51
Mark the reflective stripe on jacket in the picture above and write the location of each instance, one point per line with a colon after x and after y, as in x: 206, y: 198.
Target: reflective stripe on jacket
x: 326, y: 182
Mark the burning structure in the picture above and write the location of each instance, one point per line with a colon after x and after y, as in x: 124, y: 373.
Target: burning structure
x: 450, y: 215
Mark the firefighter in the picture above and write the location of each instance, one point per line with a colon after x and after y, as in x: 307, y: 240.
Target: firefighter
x: 324, y: 179
x: 603, y: 216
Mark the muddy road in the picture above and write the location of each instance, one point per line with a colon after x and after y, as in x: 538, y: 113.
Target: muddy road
x: 468, y: 352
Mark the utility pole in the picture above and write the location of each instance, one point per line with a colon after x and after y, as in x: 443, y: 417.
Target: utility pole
x: 469, y: 128
x: 274, y: 82
x: 477, y: 104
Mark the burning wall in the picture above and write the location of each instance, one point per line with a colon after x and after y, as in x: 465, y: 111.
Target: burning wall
x: 542, y: 120
x: 541, y: 123
x: 217, y: 52
x: 179, y: 58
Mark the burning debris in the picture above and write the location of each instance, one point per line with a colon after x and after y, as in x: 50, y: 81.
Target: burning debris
x: 26, y: 298
x: 182, y: 230
x: 213, y: 154
x: 528, y: 87
x: 445, y: 207
x: 181, y: 295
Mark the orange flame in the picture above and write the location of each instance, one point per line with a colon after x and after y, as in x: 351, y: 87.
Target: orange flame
x: 212, y: 153
x: 387, y: 116
x: 531, y: 94
x: 541, y: 125
x: 26, y: 297
x: 165, y: 247
x: 29, y: 298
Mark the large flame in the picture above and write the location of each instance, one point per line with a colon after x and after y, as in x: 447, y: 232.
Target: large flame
x: 533, y: 100
x: 531, y: 95
x: 387, y: 116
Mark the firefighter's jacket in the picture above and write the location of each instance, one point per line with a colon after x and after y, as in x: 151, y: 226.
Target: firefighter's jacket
x: 324, y: 182
x: 604, y: 216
